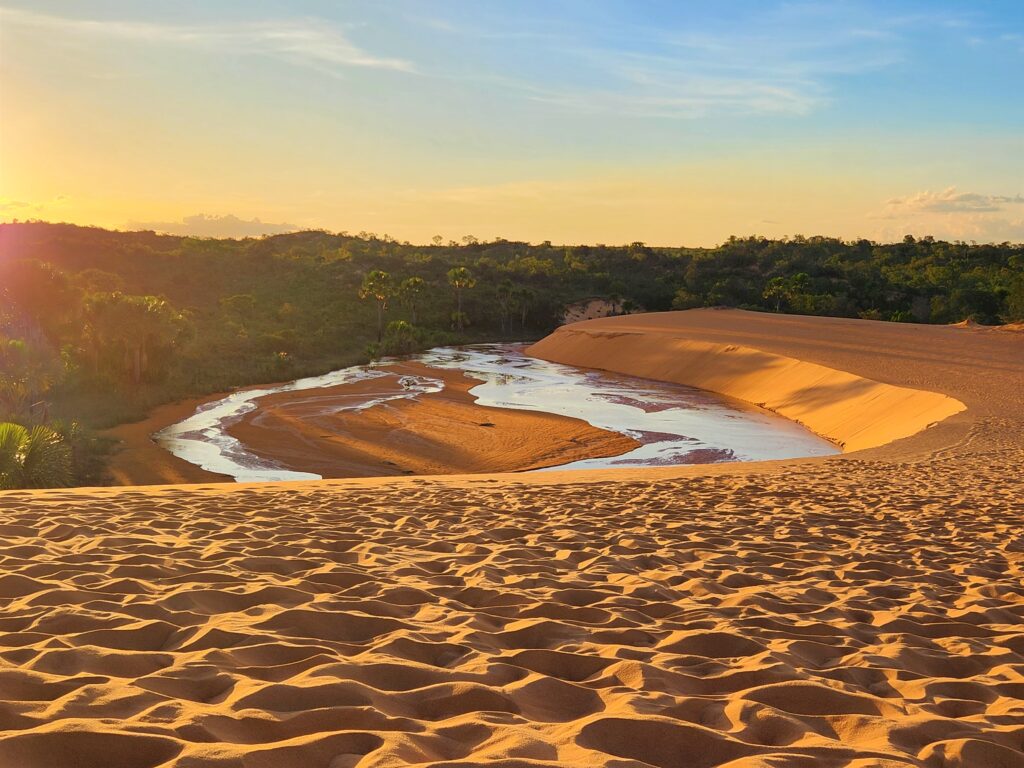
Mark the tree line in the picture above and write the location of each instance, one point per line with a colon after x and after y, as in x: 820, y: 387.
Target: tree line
x: 97, y: 327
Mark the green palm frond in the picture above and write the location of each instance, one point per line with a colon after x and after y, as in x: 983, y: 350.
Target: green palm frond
x: 12, y: 436
x: 33, y: 458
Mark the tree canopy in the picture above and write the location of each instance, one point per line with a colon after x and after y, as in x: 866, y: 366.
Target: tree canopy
x: 99, y: 326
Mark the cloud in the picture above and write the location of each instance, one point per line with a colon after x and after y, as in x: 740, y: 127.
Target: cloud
x: 951, y: 201
x: 17, y: 205
x: 21, y: 207
x: 953, y: 215
x: 308, y: 42
x: 979, y: 228
x: 685, y: 96
x: 204, y: 225
x: 778, y: 59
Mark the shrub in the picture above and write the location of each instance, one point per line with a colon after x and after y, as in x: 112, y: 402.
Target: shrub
x: 36, y: 457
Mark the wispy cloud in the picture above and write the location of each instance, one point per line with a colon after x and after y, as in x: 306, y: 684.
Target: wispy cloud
x: 781, y: 59
x: 204, y: 225
x: 309, y: 42
x: 994, y: 37
x: 950, y: 200
x: 688, y: 96
x: 15, y: 206
x: 22, y: 207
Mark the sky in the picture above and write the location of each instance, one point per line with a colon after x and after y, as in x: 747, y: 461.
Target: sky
x: 576, y: 121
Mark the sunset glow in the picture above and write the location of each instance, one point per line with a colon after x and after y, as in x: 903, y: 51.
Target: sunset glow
x: 574, y: 122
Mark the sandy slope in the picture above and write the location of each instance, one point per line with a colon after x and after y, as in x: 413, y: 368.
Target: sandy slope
x: 863, y: 611
x: 856, y: 411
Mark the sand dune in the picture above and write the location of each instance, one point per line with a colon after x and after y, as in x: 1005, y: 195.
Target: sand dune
x: 863, y: 611
x: 855, y: 411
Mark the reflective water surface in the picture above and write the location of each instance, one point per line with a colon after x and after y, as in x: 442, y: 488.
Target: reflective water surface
x: 674, y: 424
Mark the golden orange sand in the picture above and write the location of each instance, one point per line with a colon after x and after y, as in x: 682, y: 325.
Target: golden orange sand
x: 137, y: 460
x: 444, y: 432
x: 864, y: 610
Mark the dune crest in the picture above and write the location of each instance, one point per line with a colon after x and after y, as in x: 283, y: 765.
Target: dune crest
x: 852, y: 411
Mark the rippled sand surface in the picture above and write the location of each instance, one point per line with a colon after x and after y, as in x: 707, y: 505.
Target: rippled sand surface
x: 860, y: 611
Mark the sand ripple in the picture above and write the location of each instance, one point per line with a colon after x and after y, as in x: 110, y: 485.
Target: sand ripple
x: 733, y: 620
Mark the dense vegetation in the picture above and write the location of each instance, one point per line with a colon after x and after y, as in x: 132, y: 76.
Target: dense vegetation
x: 96, y: 326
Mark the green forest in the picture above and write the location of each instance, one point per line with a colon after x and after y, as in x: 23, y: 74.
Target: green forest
x: 97, y: 327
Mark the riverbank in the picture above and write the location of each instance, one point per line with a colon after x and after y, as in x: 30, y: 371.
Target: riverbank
x: 445, y: 432
x: 138, y: 460
x: 437, y: 433
x: 484, y: 408
x: 863, y: 609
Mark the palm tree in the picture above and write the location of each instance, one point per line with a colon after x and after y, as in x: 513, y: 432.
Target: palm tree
x: 409, y: 294
x: 775, y: 289
x: 99, y: 326
x: 27, y: 373
x: 139, y: 323
x: 506, y: 298
x: 460, y: 279
x: 377, y: 286
x: 401, y: 338
x: 524, y: 297
x: 33, y: 458
x: 151, y: 323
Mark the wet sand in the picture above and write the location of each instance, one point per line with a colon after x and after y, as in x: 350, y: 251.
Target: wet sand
x: 442, y: 432
x: 138, y: 460
x: 859, y: 611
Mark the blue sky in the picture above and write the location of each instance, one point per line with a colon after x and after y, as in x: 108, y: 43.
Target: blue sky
x: 669, y: 122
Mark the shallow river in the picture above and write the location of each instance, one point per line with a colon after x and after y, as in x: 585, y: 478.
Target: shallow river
x: 673, y: 423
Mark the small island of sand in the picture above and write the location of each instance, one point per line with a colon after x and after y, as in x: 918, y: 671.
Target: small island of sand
x: 444, y: 432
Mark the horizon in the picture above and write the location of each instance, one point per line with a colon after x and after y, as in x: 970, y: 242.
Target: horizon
x: 472, y: 240
x: 564, y: 122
